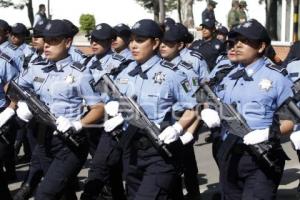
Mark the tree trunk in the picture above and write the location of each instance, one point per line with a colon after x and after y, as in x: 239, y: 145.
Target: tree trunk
x: 162, y: 12
x: 30, y: 11
x: 156, y: 10
x: 271, y: 18
x: 187, y: 13
x: 179, y: 10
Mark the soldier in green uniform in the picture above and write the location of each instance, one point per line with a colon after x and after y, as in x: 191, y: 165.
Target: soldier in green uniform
x: 242, y: 11
x: 234, y: 15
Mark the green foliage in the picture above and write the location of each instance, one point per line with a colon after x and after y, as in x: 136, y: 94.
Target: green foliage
x: 149, y: 4
x: 87, y: 22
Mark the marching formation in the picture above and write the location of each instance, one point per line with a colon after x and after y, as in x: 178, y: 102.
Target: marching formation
x: 137, y: 105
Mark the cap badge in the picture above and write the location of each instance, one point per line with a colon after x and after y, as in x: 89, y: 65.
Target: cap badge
x: 99, y: 27
x: 136, y: 26
x: 247, y: 25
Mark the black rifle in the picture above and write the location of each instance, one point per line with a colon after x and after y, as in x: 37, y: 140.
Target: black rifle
x: 39, y: 110
x: 236, y: 124
x: 132, y: 113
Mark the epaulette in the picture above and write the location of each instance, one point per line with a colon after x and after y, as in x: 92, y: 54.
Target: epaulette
x: 79, y: 52
x: 12, y: 46
x: 196, y: 54
x: 167, y: 64
x: 5, y: 57
x: 185, y: 64
x: 78, y: 66
x: 118, y: 57
x: 277, y: 68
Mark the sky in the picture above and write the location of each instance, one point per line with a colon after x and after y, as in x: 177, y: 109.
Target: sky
x: 120, y: 11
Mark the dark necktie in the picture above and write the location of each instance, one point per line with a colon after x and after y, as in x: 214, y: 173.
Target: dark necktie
x: 50, y: 68
x: 96, y: 65
x: 138, y: 70
x: 241, y: 73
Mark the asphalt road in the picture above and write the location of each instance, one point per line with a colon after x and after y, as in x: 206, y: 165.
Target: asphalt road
x: 208, y: 173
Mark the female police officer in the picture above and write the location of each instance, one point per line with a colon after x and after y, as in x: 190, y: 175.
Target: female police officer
x: 62, y: 85
x: 156, y: 86
x: 257, y: 89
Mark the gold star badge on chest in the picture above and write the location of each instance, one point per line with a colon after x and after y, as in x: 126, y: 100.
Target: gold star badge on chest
x: 265, y: 84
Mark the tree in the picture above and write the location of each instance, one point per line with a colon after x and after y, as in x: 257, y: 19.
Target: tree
x: 87, y: 22
x: 158, y: 7
x: 271, y: 17
x: 186, y: 13
x: 20, y: 5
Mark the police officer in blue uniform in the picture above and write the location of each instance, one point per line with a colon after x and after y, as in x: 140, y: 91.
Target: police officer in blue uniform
x: 18, y: 35
x: 7, y: 73
x: 35, y: 171
x: 60, y: 161
x: 104, y: 60
x: 156, y: 86
x: 75, y: 53
x: 209, y: 47
x: 120, y: 43
x: 242, y: 176
x: 172, y: 43
x: 6, y: 48
x: 105, y: 168
x: 191, y: 57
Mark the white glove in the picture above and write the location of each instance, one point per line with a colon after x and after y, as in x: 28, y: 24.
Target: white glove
x: 186, y: 138
x: 256, y: 136
x: 23, y: 112
x: 171, y: 133
x: 5, y: 115
x: 210, y: 117
x: 295, y: 138
x: 63, y: 124
x: 112, y: 123
x: 112, y: 108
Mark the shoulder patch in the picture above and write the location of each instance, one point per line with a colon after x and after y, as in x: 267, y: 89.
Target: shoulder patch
x: 186, y: 64
x: 12, y: 46
x: 277, y: 68
x: 196, y: 54
x: 78, y: 66
x: 118, y: 57
x: 5, y: 57
x: 167, y: 64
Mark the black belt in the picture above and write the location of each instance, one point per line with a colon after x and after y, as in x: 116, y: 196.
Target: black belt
x: 240, y: 149
x: 141, y: 142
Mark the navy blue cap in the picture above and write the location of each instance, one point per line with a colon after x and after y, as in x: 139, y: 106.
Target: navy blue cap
x: 56, y: 28
x: 209, y: 23
x: 4, y: 25
x: 223, y: 30
x: 212, y: 3
x: 122, y: 30
x: 73, y: 29
x: 19, y: 29
x: 103, y: 31
x: 147, y: 28
x: 187, y: 36
x: 252, y: 30
x: 169, y: 21
x: 39, y: 28
x: 173, y: 34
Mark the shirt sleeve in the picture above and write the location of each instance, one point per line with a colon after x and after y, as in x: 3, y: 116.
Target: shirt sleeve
x: 87, y: 90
